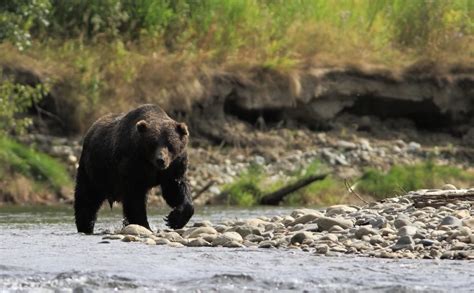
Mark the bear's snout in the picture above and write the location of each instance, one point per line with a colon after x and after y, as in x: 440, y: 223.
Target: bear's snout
x: 162, y: 160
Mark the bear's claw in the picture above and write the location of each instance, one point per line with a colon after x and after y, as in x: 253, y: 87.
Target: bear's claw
x: 179, y: 217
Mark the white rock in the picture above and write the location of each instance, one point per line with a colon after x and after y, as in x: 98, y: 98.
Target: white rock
x: 194, y: 233
x: 136, y: 230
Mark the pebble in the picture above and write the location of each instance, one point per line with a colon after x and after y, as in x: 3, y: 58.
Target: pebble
x: 407, y: 231
x: 393, y: 228
x: 404, y: 242
x: 325, y: 223
x: 339, y: 209
x: 450, y: 221
x: 365, y: 230
x: 225, y: 238
x: 136, y: 230
x: 114, y: 237
x: 306, y: 218
x: 300, y: 237
x: 198, y: 242
x: 194, y: 233
x: 402, y: 221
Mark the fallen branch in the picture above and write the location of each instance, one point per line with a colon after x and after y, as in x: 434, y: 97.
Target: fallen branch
x: 204, y: 189
x: 276, y: 197
x: 437, y: 198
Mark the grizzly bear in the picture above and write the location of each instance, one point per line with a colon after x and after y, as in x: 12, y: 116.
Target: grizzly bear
x: 123, y: 157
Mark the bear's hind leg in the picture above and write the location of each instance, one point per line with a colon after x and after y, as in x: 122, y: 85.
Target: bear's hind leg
x: 87, y: 203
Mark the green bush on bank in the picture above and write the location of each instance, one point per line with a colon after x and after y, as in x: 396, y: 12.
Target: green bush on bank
x: 236, y: 24
x: 39, y: 167
x: 400, y: 179
x: 252, y: 184
x: 15, y: 158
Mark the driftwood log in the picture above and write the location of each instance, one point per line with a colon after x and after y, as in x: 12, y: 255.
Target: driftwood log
x: 274, y: 198
x: 437, y: 198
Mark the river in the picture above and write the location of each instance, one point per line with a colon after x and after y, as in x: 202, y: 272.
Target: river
x: 41, y: 252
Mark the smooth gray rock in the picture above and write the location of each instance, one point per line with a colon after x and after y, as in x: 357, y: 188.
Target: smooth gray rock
x: 407, y: 231
x: 365, y: 230
x: 404, y: 242
x: 245, y: 230
x: 136, y: 230
x: 300, y: 237
x: 450, y: 221
x: 339, y: 210
x: 198, y: 242
x: 325, y: 223
x: 194, y: 233
x: 306, y: 218
x: 402, y: 221
x: 223, y: 239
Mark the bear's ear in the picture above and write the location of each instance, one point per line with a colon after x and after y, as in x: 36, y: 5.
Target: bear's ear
x: 182, y: 129
x: 141, y: 126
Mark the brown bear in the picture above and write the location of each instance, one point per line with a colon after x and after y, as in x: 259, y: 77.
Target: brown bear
x: 123, y: 157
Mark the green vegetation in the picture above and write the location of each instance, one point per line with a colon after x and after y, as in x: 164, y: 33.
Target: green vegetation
x: 39, y: 167
x: 278, y: 27
x: 41, y: 172
x: 252, y: 184
x: 15, y: 99
x: 405, y: 178
x: 118, y: 53
x: 246, y: 190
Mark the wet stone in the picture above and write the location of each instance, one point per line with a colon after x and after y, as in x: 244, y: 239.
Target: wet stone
x: 325, y: 223
x: 305, y: 219
x: 365, y: 230
x: 407, y: 231
x: 130, y: 238
x: 162, y: 241
x: 254, y: 238
x: 175, y: 244
x: 194, y: 233
x: 404, y: 242
x: 339, y: 210
x: 174, y: 237
x: 223, y: 239
x: 266, y: 244
x: 311, y: 227
x: 198, y: 242
x: 450, y: 221
x: 402, y: 221
x: 300, y: 237
x: 136, y: 230
x: 149, y: 241
x: 114, y: 237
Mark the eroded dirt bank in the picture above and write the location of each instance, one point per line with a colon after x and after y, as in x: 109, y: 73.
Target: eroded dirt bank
x: 430, y: 96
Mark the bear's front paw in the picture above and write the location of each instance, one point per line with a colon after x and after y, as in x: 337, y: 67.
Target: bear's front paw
x: 179, y: 217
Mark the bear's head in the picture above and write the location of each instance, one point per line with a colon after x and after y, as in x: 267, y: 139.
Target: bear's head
x: 163, y: 141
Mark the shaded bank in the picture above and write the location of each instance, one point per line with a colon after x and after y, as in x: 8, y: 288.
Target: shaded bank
x: 433, y: 97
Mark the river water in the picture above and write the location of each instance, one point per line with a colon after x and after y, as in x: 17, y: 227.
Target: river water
x: 40, y: 252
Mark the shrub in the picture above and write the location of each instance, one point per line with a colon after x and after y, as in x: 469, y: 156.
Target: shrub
x: 15, y: 99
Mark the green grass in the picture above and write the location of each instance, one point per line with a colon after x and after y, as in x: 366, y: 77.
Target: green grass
x: 400, y: 179
x: 39, y: 167
x: 253, y: 183
x: 245, y: 190
x: 114, y: 54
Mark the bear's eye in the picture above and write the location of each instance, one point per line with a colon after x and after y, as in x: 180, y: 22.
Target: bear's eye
x: 171, y: 147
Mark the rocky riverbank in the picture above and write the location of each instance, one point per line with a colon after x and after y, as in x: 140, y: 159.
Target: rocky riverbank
x: 281, y: 152
x: 392, y: 228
